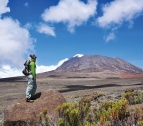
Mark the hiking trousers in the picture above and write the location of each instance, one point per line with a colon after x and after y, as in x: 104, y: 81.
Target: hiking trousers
x: 31, y: 87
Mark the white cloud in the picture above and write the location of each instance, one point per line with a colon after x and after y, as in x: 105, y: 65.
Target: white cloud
x: 119, y: 11
x: 8, y: 71
x: 71, y: 12
x: 28, y: 26
x: 42, y: 68
x: 15, y: 42
x: 43, y: 28
x: 3, y: 7
x: 110, y: 37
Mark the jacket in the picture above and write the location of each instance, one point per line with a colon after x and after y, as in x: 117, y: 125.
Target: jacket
x: 33, y: 69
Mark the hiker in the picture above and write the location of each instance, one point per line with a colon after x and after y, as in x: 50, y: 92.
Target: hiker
x: 32, y: 86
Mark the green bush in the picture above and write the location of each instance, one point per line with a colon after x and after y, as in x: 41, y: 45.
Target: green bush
x: 43, y: 118
x: 74, y: 114
x: 134, y: 97
x: 109, y: 113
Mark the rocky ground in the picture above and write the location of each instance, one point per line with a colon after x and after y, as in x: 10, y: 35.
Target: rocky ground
x: 72, y: 88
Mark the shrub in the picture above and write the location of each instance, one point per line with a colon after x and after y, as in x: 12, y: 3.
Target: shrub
x: 109, y: 113
x: 43, y: 118
x: 75, y: 114
x: 134, y: 97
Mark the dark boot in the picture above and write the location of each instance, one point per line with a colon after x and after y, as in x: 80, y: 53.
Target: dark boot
x: 29, y: 100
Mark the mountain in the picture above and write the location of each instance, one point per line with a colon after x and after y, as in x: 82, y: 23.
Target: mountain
x: 94, y: 66
x: 97, y: 63
x: 90, y: 66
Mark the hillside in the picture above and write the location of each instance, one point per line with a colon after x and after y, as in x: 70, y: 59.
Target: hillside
x: 94, y: 66
x: 90, y: 66
x: 96, y: 63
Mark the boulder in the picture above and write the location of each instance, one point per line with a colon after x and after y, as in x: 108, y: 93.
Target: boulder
x: 22, y: 113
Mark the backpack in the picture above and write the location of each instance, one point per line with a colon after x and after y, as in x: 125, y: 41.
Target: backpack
x: 26, y: 70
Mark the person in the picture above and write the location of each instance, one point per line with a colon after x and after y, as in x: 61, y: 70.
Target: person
x: 32, y: 86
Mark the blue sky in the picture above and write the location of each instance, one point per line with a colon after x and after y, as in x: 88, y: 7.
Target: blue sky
x: 59, y: 29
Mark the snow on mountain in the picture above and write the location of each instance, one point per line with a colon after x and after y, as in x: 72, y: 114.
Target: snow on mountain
x: 78, y: 55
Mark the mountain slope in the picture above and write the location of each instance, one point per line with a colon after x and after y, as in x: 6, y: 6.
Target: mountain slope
x: 96, y: 63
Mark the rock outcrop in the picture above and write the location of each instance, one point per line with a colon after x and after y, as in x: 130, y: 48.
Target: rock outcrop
x: 21, y: 113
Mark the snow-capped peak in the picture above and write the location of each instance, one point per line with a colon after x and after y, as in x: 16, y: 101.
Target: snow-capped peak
x: 78, y: 55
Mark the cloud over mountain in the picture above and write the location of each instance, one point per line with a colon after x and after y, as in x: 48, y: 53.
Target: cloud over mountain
x: 42, y: 68
x: 8, y: 71
x: 71, y: 12
x: 119, y: 11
